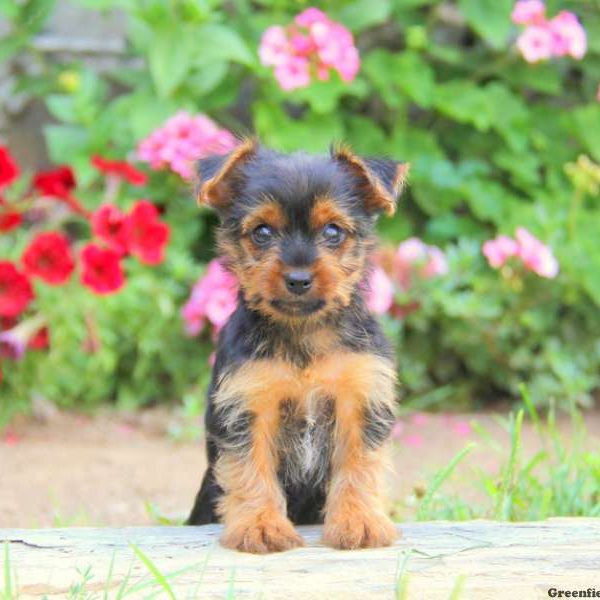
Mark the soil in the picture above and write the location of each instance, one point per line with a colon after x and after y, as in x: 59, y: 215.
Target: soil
x: 128, y: 469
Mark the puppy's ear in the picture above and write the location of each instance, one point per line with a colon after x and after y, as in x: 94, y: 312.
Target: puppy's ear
x: 217, y: 175
x: 381, y: 179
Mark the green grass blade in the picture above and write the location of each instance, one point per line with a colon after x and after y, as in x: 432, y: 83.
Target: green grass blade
x: 123, y: 587
x: 504, y: 503
x: 439, y: 479
x: 158, y: 576
x: 109, y: 576
x: 456, y: 592
x: 401, y: 586
x: 8, y: 594
x: 231, y: 587
x: 531, y: 409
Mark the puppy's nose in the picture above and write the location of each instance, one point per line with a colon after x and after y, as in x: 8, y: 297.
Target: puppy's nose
x: 298, y: 282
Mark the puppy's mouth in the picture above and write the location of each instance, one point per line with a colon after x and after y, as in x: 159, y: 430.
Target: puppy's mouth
x: 298, y: 308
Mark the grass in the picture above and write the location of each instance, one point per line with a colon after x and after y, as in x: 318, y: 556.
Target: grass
x: 561, y: 479
x: 155, y: 584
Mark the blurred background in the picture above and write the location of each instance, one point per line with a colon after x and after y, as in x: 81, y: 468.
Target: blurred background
x: 487, y: 279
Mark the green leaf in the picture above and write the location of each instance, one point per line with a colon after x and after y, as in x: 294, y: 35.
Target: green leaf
x: 378, y: 65
x: 489, y: 18
x: 360, y: 14
x: 488, y: 200
x: 463, y: 101
x: 66, y: 142
x: 12, y: 44
x: 415, y: 77
x: 313, y: 133
x: 34, y: 15
x: 398, y: 75
x: 586, y: 121
x: 170, y: 57
x: 365, y: 136
x: 206, y: 78
x: 219, y: 43
x: 324, y: 96
x: 61, y: 107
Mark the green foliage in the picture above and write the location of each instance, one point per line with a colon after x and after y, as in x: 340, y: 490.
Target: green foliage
x: 560, y: 480
x: 441, y: 86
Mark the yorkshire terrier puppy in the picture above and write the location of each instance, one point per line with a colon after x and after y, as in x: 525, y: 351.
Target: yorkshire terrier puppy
x: 301, y: 401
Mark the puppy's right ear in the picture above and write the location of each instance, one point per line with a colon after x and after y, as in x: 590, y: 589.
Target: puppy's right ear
x: 217, y: 175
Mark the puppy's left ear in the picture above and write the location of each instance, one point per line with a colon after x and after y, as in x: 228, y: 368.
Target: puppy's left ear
x: 217, y: 175
x: 381, y: 179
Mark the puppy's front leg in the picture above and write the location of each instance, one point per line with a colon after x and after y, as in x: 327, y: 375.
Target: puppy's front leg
x: 253, y: 505
x: 354, y: 510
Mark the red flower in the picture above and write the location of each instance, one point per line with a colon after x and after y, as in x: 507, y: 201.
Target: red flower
x: 148, y: 236
x: 9, y: 169
x: 41, y: 340
x: 102, y: 271
x: 120, y: 168
x: 9, y: 220
x: 49, y: 257
x: 15, y: 290
x: 59, y: 183
x: 110, y: 225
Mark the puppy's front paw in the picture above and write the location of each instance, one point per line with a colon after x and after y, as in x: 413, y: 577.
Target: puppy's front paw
x: 264, y: 534
x: 351, y: 530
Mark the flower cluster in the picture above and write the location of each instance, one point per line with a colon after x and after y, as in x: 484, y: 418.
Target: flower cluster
x: 182, y: 140
x: 139, y: 233
x: 413, y: 260
x: 213, y: 299
x: 51, y: 257
x: 545, y: 38
x: 311, y: 46
x: 531, y: 252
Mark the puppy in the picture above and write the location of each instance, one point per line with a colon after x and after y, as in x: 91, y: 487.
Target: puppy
x: 301, y: 401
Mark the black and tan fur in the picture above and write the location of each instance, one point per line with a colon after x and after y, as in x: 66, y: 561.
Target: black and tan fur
x: 301, y: 402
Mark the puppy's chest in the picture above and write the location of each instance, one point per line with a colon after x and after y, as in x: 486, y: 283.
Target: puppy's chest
x: 304, y: 440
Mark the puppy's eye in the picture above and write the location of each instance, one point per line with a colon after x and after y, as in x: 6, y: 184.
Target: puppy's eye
x: 333, y: 234
x: 262, y: 235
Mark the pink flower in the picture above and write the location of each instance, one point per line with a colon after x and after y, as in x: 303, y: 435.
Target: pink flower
x: 568, y: 34
x: 536, y: 43
x: 310, y: 47
x: 213, y: 298
x: 499, y: 250
x: 311, y: 16
x: 528, y: 12
x: 273, y: 50
x: 415, y: 257
x: 380, y: 291
x: 536, y: 256
x: 411, y: 251
x: 461, y: 428
x: 436, y: 264
x: 182, y: 140
x: 293, y: 73
x: 413, y: 440
x: 419, y: 419
x: 560, y: 36
x: 598, y: 93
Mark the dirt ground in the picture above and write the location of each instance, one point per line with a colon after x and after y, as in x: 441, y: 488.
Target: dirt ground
x: 70, y: 469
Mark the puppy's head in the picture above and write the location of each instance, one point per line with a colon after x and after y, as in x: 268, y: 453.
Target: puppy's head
x: 296, y: 229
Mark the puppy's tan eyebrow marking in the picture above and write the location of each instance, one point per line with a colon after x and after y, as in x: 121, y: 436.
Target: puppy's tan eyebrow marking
x: 326, y: 210
x: 269, y: 213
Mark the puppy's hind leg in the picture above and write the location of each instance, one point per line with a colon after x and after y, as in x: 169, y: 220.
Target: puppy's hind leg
x: 206, y: 500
